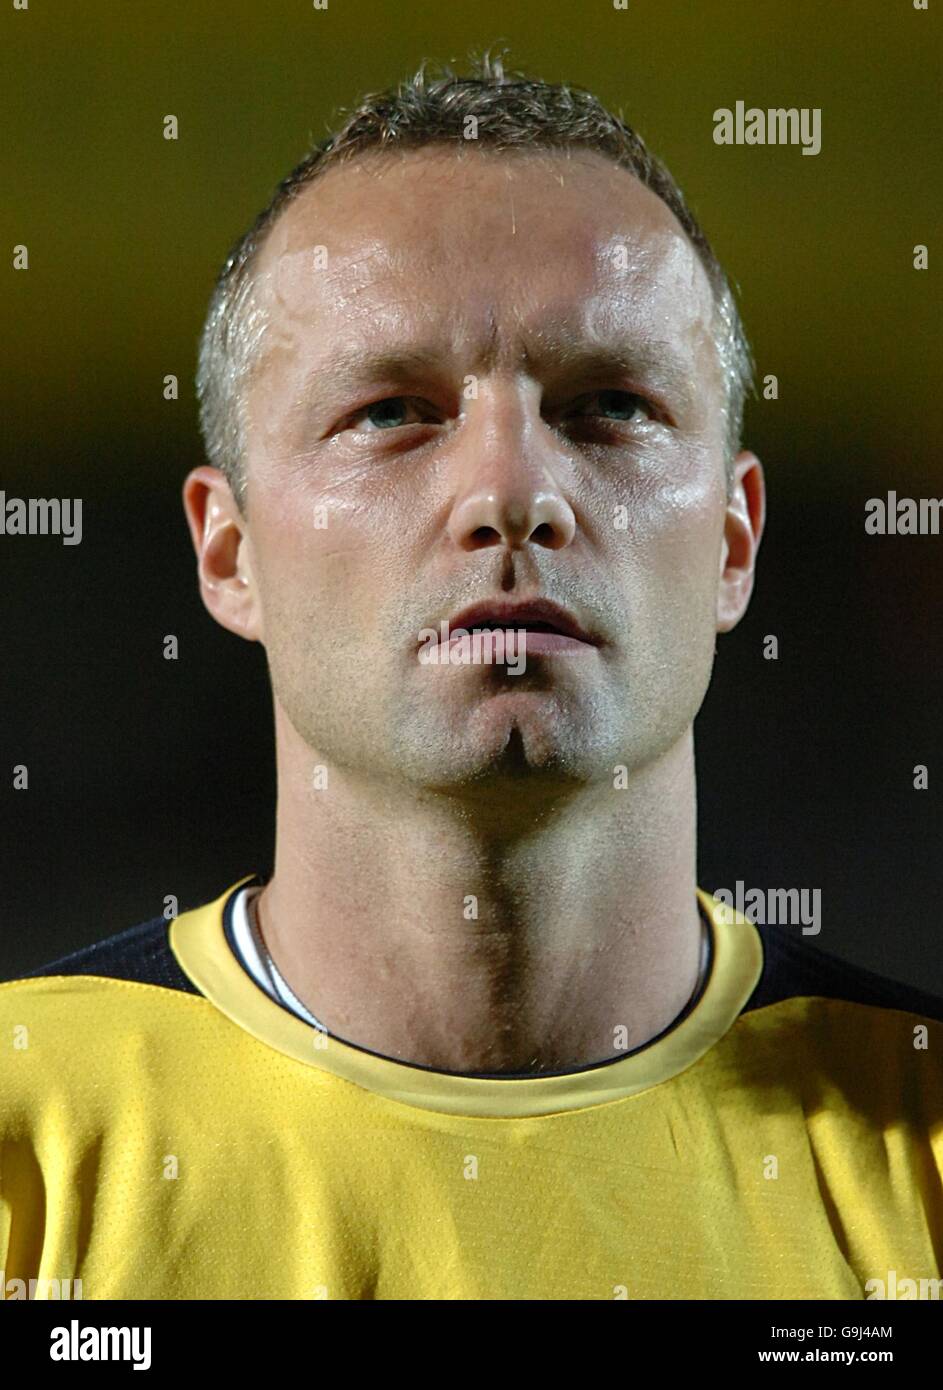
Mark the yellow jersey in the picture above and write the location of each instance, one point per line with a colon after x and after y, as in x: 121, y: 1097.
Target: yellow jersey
x: 170, y: 1131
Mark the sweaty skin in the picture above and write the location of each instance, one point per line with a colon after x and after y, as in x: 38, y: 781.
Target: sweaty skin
x: 500, y: 871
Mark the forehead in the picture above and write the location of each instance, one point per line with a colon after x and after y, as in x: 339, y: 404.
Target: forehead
x: 471, y: 242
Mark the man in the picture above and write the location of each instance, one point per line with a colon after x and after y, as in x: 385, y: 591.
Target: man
x: 479, y: 1035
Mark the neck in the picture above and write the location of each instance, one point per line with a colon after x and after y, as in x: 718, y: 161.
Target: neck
x: 429, y: 930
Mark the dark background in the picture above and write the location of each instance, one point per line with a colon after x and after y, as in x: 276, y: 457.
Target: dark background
x: 150, y: 777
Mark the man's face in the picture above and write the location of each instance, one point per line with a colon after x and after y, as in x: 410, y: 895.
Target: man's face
x: 495, y: 380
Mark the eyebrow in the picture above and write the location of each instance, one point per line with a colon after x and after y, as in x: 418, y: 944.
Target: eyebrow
x: 641, y: 359
x: 645, y: 360
x: 351, y: 366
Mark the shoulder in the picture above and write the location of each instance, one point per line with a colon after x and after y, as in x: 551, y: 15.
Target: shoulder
x: 862, y: 1051
x: 794, y: 969
x: 82, y: 1032
x: 141, y: 954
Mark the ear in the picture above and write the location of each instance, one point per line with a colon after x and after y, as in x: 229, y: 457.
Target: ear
x: 224, y: 552
x: 743, y: 529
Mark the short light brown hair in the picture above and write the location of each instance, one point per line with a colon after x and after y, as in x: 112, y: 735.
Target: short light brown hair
x: 511, y: 112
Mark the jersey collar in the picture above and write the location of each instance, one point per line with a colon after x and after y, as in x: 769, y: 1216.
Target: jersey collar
x: 198, y: 940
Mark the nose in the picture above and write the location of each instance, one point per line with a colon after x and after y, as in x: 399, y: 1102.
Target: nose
x: 508, y: 465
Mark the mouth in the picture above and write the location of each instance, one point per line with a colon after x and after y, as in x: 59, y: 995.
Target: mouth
x: 546, y: 626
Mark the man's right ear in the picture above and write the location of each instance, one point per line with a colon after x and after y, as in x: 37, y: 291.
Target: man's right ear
x: 223, y: 551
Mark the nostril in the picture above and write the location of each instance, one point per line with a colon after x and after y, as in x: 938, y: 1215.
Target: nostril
x: 484, y: 535
x: 544, y: 534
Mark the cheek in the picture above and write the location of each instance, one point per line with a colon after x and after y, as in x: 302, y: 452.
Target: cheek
x: 684, y: 550
x: 333, y: 559
x: 671, y: 554
x: 671, y: 507
x: 315, y: 578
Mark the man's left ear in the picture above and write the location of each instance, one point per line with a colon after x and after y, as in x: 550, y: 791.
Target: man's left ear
x: 743, y: 529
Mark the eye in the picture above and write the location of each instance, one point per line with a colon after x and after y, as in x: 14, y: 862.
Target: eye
x: 619, y: 406
x: 389, y: 414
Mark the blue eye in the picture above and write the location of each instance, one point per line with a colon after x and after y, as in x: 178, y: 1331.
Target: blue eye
x: 388, y: 413
x: 616, y: 405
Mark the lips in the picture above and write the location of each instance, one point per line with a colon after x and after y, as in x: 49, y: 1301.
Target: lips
x: 533, y: 615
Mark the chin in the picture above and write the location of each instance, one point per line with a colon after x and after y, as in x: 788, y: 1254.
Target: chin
x: 532, y: 745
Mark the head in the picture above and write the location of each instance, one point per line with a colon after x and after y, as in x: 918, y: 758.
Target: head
x: 477, y: 347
